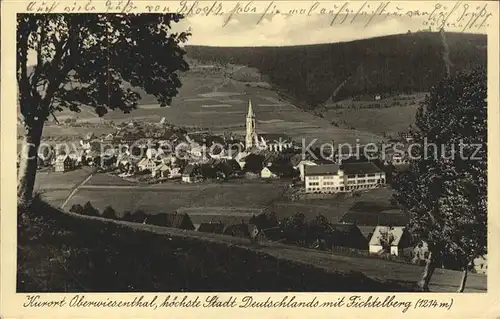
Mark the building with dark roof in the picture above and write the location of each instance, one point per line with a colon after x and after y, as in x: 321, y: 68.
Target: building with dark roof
x: 175, y: 220
x: 214, y: 228
x: 372, y: 219
x: 347, y: 235
x: 360, y: 168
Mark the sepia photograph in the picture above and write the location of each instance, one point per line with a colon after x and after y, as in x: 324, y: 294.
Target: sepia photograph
x: 191, y: 150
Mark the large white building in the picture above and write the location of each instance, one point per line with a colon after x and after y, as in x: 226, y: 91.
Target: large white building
x: 326, y: 178
x: 364, y: 175
x: 330, y: 178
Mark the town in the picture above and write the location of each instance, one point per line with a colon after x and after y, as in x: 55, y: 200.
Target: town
x: 155, y: 153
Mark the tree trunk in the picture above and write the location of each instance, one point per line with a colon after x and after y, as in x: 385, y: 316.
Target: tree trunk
x: 28, y: 163
x: 463, y: 281
x: 430, y: 266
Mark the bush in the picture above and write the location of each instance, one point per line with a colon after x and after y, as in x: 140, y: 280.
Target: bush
x: 109, y: 212
x: 127, y: 216
x: 77, y: 209
x: 89, y: 210
x: 139, y: 216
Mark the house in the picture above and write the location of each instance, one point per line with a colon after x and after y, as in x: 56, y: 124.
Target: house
x: 188, y: 174
x: 108, y: 138
x: 347, y: 235
x: 175, y: 172
x: 63, y: 163
x: 213, y: 228
x: 232, y: 167
x: 367, y: 231
x: 175, y: 220
x: 395, y: 238
x: 214, y: 215
x: 372, y: 218
x: 323, y: 179
x: 481, y: 265
x: 301, y: 165
x: 274, y: 234
x: 269, y: 172
x: 162, y: 170
x: 75, y: 157
x: 146, y: 164
x: 241, y: 159
x: 242, y: 230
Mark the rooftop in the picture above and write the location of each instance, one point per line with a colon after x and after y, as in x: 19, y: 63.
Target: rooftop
x: 360, y: 168
x: 326, y: 169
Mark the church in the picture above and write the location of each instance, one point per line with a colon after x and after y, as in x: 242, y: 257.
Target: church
x: 270, y: 142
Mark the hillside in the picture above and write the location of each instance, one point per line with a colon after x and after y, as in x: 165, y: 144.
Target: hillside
x: 391, y: 64
x: 61, y: 252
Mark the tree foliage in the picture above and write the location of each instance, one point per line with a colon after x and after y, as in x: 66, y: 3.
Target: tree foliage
x: 97, y: 60
x: 109, y: 212
x: 90, y: 210
x: 86, y: 58
x: 445, y: 191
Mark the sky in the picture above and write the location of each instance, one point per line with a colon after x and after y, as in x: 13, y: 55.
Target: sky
x: 285, y: 29
x: 301, y: 29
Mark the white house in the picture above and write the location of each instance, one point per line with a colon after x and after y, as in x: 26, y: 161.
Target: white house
x: 397, y: 238
x: 175, y: 172
x: 161, y: 170
x: 146, y: 164
x: 268, y: 172
x: 481, y: 265
x: 63, y: 163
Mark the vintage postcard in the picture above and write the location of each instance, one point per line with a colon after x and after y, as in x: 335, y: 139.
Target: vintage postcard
x: 273, y: 158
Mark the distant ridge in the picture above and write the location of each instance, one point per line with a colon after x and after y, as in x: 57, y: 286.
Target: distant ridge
x: 314, y: 74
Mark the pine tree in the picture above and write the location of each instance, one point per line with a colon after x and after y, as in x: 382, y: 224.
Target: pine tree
x: 445, y: 190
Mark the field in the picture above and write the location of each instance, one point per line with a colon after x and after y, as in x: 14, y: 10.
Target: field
x: 390, y: 115
x: 169, y: 197
x: 51, y: 180
x: 236, y: 195
x: 332, y: 207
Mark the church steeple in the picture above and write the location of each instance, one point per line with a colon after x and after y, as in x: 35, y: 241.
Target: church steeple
x: 250, y: 110
x: 251, y: 135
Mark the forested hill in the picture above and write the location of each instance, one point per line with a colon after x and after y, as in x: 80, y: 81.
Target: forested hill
x: 384, y: 65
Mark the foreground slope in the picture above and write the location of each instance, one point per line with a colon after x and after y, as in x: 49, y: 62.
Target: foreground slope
x: 61, y: 252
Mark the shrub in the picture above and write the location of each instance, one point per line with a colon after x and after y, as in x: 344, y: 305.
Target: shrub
x: 109, y: 212
x: 77, y: 209
x: 89, y: 210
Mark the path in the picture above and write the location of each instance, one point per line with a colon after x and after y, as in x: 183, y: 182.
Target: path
x: 75, y: 190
